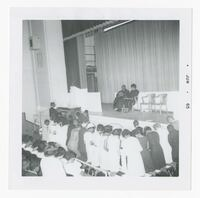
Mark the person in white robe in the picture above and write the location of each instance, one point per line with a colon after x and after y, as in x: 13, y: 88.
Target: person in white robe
x: 123, y: 154
x: 104, y: 150
x: 89, y: 144
x: 45, y: 130
x: 135, y: 165
x: 114, y: 150
x: 96, y: 140
x: 51, y: 166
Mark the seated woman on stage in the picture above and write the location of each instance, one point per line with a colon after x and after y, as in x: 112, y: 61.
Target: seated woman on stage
x: 133, y: 94
x: 119, y: 101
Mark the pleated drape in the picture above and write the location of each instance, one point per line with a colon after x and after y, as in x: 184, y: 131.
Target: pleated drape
x: 141, y: 52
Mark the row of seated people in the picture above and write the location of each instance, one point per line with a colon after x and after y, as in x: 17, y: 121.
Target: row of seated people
x: 133, y: 152
x: 40, y: 158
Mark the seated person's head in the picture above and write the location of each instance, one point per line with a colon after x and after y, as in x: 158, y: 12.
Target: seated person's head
x: 86, y: 113
x: 147, y: 130
x: 133, y: 86
x: 100, y: 128
x: 25, y: 164
x: 69, y: 155
x: 108, y: 129
x: 35, y: 163
x: 170, y: 128
x: 36, y: 144
x: 53, y: 104
x: 27, y: 140
x: 60, y: 152
x: 170, y: 119
x: 125, y: 133
x: 51, y: 149
x: 117, y: 132
x: 90, y: 127
x: 135, y: 123
x: 156, y: 126
x: 42, y: 145
x: 46, y: 122
x: 123, y: 87
x: 138, y: 131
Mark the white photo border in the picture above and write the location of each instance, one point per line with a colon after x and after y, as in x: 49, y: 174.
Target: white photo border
x: 16, y: 181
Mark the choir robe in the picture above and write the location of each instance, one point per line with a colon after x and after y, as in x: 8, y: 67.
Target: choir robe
x: 81, y: 145
x: 123, y: 154
x: 45, y: 130
x: 165, y: 144
x: 156, y: 150
x: 114, y: 153
x: 146, y: 154
x: 96, y: 147
x: 135, y: 166
x: 52, y: 167
x: 103, y: 151
x: 173, y: 139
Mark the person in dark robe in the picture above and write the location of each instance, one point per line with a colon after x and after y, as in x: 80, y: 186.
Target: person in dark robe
x: 53, y: 114
x: 133, y: 95
x: 145, y: 153
x: 120, y: 101
x: 70, y: 127
x: 173, y: 139
x: 156, y: 150
x: 173, y: 122
x: 81, y: 145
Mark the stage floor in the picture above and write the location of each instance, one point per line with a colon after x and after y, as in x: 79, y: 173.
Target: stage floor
x: 107, y: 110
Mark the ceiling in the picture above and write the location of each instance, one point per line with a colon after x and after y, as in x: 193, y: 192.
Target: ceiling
x: 70, y: 27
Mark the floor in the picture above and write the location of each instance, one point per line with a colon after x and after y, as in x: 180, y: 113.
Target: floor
x: 134, y: 115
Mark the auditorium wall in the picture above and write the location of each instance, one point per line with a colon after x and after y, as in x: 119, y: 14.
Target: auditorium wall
x: 141, y: 52
x: 44, y: 75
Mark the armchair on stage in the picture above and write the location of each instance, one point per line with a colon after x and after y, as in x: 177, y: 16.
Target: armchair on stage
x: 148, y: 101
x: 152, y: 101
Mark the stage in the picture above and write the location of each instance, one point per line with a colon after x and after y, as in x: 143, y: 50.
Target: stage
x: 107, y: 111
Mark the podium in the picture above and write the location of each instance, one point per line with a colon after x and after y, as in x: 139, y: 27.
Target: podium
x: 80, y: 98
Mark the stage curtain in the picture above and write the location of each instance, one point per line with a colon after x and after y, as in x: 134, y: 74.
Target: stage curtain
x: 71, y: 61
x: 141, y: 52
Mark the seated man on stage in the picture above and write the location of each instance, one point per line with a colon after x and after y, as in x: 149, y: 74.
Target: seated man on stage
x: 133, y: 95
x: 119, y: 101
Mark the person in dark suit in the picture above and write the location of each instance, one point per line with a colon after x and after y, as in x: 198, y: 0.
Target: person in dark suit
x: 145, y: 153
x: 156, y: 149
x: 133, y: 95
x: 119, y: 101
x: 173, y: 139
x: 53, y: 114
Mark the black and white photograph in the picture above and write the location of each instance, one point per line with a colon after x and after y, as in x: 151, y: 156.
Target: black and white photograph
x: 105, y: 97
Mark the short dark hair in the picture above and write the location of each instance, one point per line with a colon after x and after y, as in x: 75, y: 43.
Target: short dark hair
x: 133, y: 85
x: 100, y: 127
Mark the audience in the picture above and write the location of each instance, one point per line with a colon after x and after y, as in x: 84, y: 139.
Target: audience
x: 110, y: 149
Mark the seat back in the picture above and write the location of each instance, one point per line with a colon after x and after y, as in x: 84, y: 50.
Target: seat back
x: 163, y: 99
